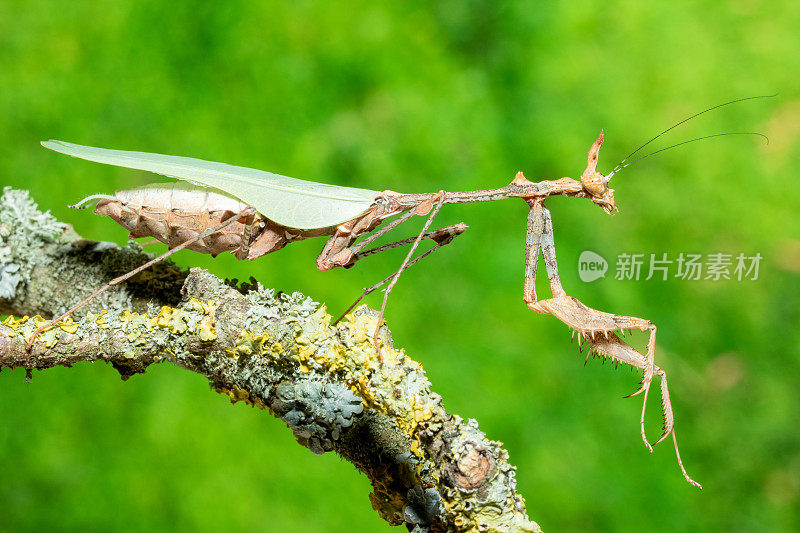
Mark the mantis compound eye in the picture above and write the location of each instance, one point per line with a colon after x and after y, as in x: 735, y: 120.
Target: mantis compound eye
x: 597, y: 187
x: 595, y: 184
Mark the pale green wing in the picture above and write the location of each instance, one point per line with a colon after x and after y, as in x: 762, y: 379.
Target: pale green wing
x: 288, y: 201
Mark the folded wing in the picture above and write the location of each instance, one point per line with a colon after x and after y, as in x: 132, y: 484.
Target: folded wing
x: 288, y: 201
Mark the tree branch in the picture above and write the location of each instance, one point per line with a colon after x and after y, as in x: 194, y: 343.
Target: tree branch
x: 430, y: 469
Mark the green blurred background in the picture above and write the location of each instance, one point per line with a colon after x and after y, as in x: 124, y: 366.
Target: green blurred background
x: 417, y: 97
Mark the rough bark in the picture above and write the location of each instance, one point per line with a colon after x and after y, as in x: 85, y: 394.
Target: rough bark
x: 429, y: 469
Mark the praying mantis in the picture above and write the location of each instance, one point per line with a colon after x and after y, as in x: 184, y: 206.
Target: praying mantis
x: 219, y: 207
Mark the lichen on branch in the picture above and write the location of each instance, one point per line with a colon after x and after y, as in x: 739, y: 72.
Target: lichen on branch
x: 429, y: 469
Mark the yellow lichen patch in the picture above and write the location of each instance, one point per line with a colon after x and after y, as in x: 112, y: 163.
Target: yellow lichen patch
x: 69, y: 327
x: 206, y: 331
x: 170, y: 318
x: 15, y: 324
x: 361, y: 327
x: 153, y: 322
x: 205, y: 328
x: 416, y: 451
x: 235, y: 394
x: 324, y: 359
x: 336, y: 355
x: 422, y: 410
x: 248, y: 344
x: 304, y: 353
x: 405, y: 421
x: 362, y: 388
x: 410, y: 363
x: 205, y: 307
x: 408, y: 420
x: 101, y: 319
x: 322, y: 317
x: 129, y: 316
x: 320, y: 321
x: 49, y: 337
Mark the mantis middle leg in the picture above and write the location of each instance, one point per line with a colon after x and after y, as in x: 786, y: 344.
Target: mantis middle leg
x: 441, y: 237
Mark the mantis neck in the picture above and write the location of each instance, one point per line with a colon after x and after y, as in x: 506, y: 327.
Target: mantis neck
x: 519, y: 188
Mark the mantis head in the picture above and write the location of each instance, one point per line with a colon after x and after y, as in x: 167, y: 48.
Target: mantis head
x: 594, y: 183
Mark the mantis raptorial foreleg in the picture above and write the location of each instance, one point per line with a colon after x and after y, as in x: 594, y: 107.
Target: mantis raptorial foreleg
x: 596, y: 326
x: 247, y: 212
x: 618, y: 350
x: 540, y: 236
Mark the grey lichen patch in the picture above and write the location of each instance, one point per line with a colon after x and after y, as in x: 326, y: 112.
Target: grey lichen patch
x: 279, y: 304
x: 18, y: 210
x: 316, y: 411
x: 424, y: 506
x: 23, y: 231
x: 10, y: 277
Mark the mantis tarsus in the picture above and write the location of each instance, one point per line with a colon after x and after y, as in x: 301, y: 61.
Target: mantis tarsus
x: 252, y: 213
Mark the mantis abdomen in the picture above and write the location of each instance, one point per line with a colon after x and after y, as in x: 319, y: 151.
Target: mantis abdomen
x: 178, y: 213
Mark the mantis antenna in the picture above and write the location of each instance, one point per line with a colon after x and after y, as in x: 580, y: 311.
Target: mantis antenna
x: 622, y: 164
x: 629, y: 163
